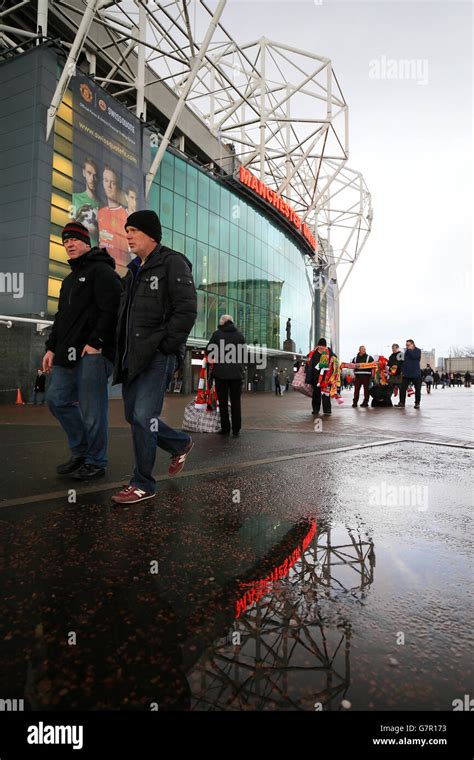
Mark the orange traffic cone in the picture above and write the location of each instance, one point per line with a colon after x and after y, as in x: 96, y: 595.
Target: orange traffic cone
x: 200, y: 401
x: 19, y: 401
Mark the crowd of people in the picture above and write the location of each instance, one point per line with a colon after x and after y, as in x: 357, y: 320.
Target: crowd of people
x: 135, y: 329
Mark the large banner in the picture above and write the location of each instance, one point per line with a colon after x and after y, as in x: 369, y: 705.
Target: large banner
x: 108, y: 177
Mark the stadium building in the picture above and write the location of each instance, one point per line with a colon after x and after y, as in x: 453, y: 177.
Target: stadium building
x: 103, y: 111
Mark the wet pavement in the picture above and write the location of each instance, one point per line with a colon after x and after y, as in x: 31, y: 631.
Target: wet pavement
x: 281, y: 571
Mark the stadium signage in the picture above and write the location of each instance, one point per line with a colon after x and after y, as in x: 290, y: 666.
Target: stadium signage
x: 250, y: 180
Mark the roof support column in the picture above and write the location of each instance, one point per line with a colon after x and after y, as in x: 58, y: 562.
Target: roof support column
x: 184, y: 94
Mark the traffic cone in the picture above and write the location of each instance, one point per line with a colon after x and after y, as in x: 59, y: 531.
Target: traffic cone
x: 200, y: 401
x: 19, y: 401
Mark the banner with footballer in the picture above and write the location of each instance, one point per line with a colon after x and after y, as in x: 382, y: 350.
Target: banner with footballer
x: 108, y: 176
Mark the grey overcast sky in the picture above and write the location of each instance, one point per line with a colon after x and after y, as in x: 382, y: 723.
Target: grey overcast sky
x: 413, y: 144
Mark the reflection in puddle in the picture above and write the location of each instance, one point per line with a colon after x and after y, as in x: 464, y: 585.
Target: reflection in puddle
x: 285, y: 650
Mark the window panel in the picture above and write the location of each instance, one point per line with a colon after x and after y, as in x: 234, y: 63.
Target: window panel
x: 213, y: 269
x: 166, y: 208
x: 200, y: 327
x: 242, y: 244
x: 224, y: 234
x: 226, y: 198
x: 167, y: 236
x: 214, y: 197
x: 179, y: 176
x: 191, y: 218
x: 179, y: 214
x: 203, y: 224
x: 213, y: 229
x: 203, y: 190
x: 212, y: 316
x: 192, y: 183
x: 234, y: 240
x: 154, y: 198
x: 250, y: 248
x: 167, y: 171
x: 178, y: 242
x: 190, y: 252
x: 201, y: 264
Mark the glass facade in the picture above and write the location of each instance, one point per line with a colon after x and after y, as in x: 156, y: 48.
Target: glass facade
x: 243, y: 263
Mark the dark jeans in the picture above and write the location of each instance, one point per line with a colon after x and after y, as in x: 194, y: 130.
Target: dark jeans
x: 361, y: 380
x: 78, y: 398
x: 234, y: 388
x: 317, y: 396
x: 143, y: 402
x: 37, y: 395
x: 416, y: 384
x: 277, y: 389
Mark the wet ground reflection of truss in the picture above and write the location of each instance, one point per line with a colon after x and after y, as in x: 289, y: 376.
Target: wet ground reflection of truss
x: 295, y: 642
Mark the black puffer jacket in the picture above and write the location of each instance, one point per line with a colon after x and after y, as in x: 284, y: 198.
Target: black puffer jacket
x: 88, y: 305
x: 225, y: 336
x: 158, y: 309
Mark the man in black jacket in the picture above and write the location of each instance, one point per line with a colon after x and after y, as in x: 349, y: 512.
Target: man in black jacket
x: 362, y: 376
x: 80, y: 352
x: 225, y: 349
x: 158, y: 309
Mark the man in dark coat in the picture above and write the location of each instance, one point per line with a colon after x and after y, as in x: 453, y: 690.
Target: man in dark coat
x: 80, y: 352
x: 226, y: 349
x: 411, y: 373
x: 157, y: 311
x: 362, y: 376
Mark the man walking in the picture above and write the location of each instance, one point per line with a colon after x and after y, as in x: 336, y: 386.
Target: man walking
x: 225, y: 349
x: 80, y: 352
x: 157, y: 312
x: 362, y: 376
x: 411, y: 373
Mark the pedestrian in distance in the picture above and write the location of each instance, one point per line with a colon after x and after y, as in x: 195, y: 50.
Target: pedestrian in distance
x: 157, y: 311
x: 395, y: 367
x: 256, y: 382
x: 428, y: 378
x: 436, y: 379
x: 80, y: 352
x: 467, y: 380
x: 411, y: 373
x: 39, y: 387
x: 362, y: 376
x: 276, y: 377
x: 225, y: 349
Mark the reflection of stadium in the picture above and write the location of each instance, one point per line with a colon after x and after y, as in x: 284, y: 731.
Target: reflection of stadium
x: 291, y: 651
x: 244, y: 108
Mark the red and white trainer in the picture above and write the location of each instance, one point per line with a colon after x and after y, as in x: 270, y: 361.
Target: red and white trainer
x: 131, y: 495
x: 178, y: 461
